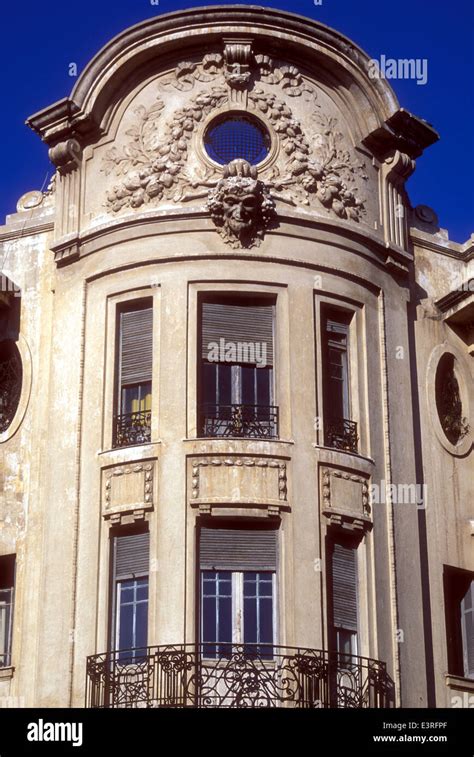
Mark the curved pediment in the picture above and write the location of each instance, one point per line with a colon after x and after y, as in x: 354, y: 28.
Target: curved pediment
x: 138, y: 121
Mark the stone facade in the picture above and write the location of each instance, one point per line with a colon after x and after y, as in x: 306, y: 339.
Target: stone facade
x: 138, y: 209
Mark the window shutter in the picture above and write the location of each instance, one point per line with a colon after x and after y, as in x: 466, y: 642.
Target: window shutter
x: 238, y: 323
x: 131, y: 555
x: 238, y: 549
x: 136, y: 351
x: 344, y: 587
x: 467, y: 630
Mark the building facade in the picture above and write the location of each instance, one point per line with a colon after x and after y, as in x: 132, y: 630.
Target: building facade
x: 235, y: 386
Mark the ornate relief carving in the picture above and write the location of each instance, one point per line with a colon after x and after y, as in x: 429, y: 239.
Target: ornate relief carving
x: 240, y: 68
x: 241, y: 205
x: 152, y: 163
x: 238, y: 59
x: 352, y: 508
x: 134, y: 494
x: 66, y: 156
x: 322, y: 169
x: 317, y: 167
x: 246, y: 462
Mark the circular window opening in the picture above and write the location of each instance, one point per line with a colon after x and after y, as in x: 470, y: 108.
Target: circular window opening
x: 236, y: 136
x: 448, y: 401
x: 11, y: 374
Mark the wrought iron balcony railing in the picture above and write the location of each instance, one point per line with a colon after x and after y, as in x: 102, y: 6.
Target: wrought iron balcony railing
x: 247, y: 421
x: 341, y: 433
x: 132, y: 428
x: 237, y: 676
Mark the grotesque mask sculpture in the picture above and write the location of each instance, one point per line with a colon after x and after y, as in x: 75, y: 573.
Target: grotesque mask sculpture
x: 241, y: 205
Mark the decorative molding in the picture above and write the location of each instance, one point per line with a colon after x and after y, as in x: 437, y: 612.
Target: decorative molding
x: 324, y: 170
x: 239, y: 68
x: 152, y: 164
x: 238, y: 60
x: 337, y: 514
x: 66, y: 156
x: 142, y: 491
x: 241, y: 206
x: 273, y: 505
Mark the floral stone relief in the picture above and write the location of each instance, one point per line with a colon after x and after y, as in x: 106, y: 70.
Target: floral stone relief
x: 312, y: 166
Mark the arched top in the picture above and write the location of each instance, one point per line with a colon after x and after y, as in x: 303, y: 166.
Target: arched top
x: 323, y: 55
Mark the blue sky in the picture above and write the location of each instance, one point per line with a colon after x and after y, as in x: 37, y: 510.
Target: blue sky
x: 39, y: 40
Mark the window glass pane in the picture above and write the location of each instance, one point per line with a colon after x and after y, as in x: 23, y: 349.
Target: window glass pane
x: 266, y: 620
x: 125, y: 640
x: 250, y: 620
x: 225, y: 619
x: 209, y: 383
x: 248, y: 385
x: 136, y: 398
x: 266, y: 585
x: 224, y: 384
x: 264, y: 380
x: 132, y: 599
x: 141, y: 625
x: 209, y: 616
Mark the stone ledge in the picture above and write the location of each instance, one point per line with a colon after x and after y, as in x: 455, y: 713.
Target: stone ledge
x: 7, y: 673
x: 459, y: 682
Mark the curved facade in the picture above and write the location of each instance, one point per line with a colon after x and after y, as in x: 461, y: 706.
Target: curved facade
x: 243, y: 432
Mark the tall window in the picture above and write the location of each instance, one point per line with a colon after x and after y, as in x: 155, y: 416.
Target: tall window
x: 340, y: 430
x: 235, y: 380
x: 343, y: 596
x: 7, y: 590
x: 135, y: 357
x: 459, y: 608
x: 238, y: 590
x: 130, y: 570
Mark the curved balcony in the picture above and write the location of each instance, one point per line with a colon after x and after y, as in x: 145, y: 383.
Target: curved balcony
x: 239, y: 421
x: 225, y: 675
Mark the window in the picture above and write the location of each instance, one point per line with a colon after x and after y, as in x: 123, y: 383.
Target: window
x: 135, y: 356
x: 10, y: 382
x: 238, y: 590
x: 7, y: 584
x: 343, y: 596
x: 459, y: 608
x: 448, y: 400
x: 340, y: 431
x: 235, y: 380
x: 130, y: 568
x: 236, y: 136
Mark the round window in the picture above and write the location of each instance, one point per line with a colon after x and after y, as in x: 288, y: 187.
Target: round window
x: 10, y: 382
x: 236, y: 136
x: 448, y: 400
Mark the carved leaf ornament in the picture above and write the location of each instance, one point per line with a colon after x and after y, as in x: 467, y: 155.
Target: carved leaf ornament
x: 152, y: 166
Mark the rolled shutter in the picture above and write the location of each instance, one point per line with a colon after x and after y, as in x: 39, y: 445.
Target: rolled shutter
x: 344, y: 586
x: 136, y: 349
x: 131, y: 555
x: 246, y: 324
x: 238, y: 549
x: 467, y: 630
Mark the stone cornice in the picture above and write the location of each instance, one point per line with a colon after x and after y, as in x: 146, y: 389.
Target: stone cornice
x: 341, y: 234
x: 80, y: 115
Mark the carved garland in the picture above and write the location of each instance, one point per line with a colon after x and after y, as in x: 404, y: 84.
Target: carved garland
x: 245, y: 462
x: 154, y: 167
x: 151, y: 163
x: 239, y: 73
